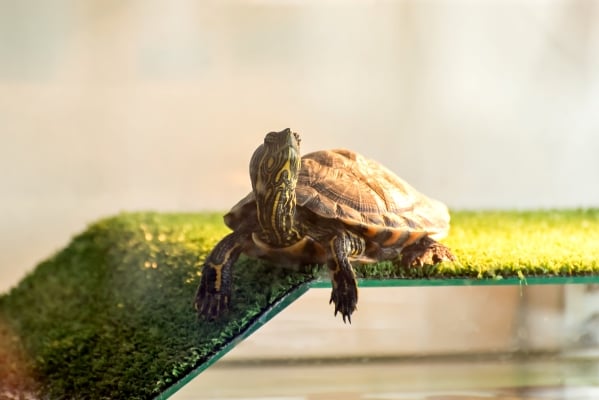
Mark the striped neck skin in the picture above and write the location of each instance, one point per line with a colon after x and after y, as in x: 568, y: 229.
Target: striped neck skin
x: 274, y: 170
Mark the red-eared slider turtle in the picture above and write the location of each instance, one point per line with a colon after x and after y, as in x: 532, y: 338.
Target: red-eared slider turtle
x: 327, y: 207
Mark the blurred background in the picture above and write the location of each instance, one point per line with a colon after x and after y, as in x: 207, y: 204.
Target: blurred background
x: 135, y: 105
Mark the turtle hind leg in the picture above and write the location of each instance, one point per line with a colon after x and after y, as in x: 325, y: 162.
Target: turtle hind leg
x: 214, y: 292
x: 426, y: 251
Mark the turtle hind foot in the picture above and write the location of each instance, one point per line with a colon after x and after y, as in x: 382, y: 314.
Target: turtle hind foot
x: 425, y: 252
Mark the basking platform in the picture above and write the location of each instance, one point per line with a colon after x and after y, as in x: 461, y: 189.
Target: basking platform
x: 111, y: 315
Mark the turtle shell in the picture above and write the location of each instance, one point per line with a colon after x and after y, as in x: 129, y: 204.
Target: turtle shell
x: 365, y: 196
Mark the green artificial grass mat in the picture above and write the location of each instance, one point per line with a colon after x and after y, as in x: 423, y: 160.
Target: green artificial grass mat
x: 111, y: 316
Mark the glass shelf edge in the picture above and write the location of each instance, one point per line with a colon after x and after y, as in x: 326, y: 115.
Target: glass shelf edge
x: 278, y: 306
x: 433, y: 282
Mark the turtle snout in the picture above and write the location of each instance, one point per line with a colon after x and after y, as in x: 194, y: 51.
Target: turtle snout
x: 283, y: 138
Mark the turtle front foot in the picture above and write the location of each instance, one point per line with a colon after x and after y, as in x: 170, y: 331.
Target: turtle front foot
x: 425, y: 252
x: 211, y: 305
x: 344, y: 295
x: 214, y: 292
x: 209, y: 302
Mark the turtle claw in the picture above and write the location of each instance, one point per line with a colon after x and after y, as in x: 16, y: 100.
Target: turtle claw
x: 211, y: 306
x: 345, y: 297
x: 345, y: 306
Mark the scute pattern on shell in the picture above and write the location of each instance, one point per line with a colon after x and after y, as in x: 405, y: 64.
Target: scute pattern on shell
x: 345, y: 186
x: 341, y: 184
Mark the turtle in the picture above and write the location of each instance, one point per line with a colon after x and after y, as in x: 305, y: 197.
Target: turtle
x: 330, y: 207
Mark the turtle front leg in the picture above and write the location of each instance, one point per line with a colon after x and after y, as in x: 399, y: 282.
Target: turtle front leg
x: 345, y: 285
x: 214, y: 292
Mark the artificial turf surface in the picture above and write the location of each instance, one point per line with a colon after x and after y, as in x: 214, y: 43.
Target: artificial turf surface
x: 111, y: 316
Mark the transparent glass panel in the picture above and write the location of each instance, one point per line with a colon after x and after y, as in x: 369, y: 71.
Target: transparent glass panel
x: 426, y: 339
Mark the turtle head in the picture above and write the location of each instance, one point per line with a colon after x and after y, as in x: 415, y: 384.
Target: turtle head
x: 274, y: 170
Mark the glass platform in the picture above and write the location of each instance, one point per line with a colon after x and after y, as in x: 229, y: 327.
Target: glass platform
x: 570, y: 371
